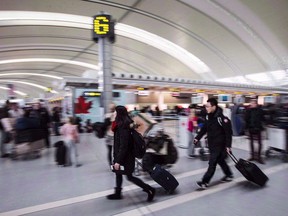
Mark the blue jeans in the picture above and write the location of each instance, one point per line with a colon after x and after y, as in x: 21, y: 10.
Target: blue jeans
x: 191, y: 146
x: 71, y: 153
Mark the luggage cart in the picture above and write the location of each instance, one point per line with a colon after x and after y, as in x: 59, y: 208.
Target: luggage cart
x: 160, y: 146
x: 277, y: 141
x: 28, y: 143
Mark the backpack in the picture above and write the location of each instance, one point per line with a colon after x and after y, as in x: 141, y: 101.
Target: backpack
x: 139, y: 144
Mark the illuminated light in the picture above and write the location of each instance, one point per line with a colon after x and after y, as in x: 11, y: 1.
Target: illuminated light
x: 101, y: 24
x: 31, y: 84
x: 20, y: 93
x: 64, y: 61
x: 199, y: 91
x: 174, y: 90
x: 91, y: 94
x: 164, y: 45
x: 143, y: 93
x: 31, y: 74
x: 265, y: 78
x: 17, y: 92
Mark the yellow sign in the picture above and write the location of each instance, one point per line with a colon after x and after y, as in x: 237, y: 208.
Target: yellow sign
x: 91, y: 94
x: 101, y: 24
x: 49, y: 89
x: 174, y: 90
x: 238, y: 93
x: 199, y: 90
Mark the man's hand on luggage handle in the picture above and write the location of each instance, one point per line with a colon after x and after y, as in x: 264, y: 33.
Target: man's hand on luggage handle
x: 228, y: 150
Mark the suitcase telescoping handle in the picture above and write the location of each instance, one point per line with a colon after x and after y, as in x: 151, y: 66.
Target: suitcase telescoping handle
x: 232, y: 156
x: 139, y: 163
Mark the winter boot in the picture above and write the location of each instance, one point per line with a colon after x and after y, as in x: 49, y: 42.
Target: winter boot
x: 151, y: 193
x: 116, y: 196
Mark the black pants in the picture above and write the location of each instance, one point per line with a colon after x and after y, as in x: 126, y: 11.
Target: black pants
x: 255, y: 135
x: 131, y: 178
x: 109, y: 154
x: 217, y: 156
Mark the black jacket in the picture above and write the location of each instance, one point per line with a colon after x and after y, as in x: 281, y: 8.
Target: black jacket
x: 254, y: 119
x: 219, y: 135
x: 123, y: 148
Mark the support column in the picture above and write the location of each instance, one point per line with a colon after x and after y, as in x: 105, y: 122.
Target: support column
x: 105, y: 74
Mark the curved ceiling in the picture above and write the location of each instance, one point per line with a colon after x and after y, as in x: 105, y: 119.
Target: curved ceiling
x: 200, y: 40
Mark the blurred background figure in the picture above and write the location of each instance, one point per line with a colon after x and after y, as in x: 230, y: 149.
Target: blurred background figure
x: 40, y: 112
x: 254, y: 119
x: 56, y: 119
x: 192, y: 127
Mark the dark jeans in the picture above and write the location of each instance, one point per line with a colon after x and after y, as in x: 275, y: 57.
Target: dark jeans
x: 131, y: 178
x: 109, y: 154
x: 217, y: 156
x: 255, y: 135
x: 2, y: 144
x: 109, y: 143
x: 56, y: 128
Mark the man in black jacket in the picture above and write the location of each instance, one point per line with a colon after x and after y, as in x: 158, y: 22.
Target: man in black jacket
x: 219, y: 136
x: 254, y: 119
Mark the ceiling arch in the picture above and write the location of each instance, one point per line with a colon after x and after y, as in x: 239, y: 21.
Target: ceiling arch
x: 230, y: 38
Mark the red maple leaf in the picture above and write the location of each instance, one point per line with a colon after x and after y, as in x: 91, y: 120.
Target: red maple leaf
x: 82, y: 106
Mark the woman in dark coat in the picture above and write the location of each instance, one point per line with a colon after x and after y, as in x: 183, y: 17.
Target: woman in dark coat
x: 123, y: 154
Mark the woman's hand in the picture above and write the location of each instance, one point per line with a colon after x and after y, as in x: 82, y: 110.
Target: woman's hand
x: 117, y: 166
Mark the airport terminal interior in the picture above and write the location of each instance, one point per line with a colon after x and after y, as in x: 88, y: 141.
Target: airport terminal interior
x: 162, y: 60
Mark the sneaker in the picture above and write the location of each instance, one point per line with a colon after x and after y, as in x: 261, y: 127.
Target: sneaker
x: 201, y: 185
x: 191, y: 156
x: 261, y: 161
x: 227, y: 179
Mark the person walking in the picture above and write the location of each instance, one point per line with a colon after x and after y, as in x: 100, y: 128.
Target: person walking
x: 124, y: 156
x: 41, y: 112
x: 219, y: 136
x: 254, y: 119
x: 4, y: 113
x: 192, y: 126
x: 109, y: 137
x: 71, y: 137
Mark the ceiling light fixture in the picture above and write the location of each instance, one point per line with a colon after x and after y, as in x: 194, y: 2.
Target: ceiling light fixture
x: 64, y: 61
x: 31, y: 84
x: 17, y: 92
x: 31, y: 74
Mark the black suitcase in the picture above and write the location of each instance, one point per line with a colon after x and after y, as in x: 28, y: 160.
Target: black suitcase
x: 162, y: 177
x: 60, y: 153
x: 250, y: 171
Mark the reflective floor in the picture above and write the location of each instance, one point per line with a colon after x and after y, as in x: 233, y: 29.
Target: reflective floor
x: 39, y: 187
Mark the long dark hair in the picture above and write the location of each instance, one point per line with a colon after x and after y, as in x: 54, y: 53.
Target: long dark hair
x: 122, y: 117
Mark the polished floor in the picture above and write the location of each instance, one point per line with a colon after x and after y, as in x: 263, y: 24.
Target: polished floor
x: 38, y: 187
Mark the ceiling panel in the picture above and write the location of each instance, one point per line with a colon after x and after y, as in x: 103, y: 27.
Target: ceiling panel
x: 231, y: 37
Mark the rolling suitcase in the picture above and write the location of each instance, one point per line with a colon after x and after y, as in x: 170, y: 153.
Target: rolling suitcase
x: 163, y: 177
x: 250, y: 171
x: 60, y: 153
